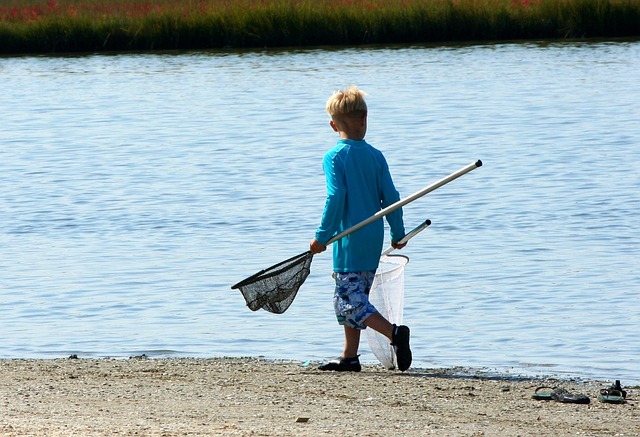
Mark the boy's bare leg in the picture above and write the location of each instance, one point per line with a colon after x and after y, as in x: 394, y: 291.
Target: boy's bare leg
x: 378, y: 323
x: 352, y: 336
x: 349, y: 361
x: 351, y: 342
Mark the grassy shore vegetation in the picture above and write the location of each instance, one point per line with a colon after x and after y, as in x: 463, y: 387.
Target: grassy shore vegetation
x: 54, y: 26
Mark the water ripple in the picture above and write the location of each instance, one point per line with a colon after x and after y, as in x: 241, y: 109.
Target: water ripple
x: 138, y: 188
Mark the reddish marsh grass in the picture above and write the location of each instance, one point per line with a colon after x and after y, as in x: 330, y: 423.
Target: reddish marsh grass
x: 30, y: 11
x: 47, y: 26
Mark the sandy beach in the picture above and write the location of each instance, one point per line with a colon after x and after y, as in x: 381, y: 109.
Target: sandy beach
x: 254, y: 397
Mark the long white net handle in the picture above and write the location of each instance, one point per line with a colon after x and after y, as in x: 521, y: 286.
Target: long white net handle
x: 402, y: 202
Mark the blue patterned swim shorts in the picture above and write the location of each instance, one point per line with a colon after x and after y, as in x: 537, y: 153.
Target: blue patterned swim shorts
x: 351, y: 298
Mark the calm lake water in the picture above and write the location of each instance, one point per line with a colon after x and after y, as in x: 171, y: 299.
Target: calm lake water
x: 137, y: 188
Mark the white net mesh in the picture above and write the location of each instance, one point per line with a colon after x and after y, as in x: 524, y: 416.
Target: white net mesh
x: 387, y: 295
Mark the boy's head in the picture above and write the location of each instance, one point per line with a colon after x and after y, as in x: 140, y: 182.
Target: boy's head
x: 347, y: 102
x: 348, y: 112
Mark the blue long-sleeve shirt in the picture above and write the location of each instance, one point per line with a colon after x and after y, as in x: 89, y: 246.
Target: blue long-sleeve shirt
x: 359, y: 185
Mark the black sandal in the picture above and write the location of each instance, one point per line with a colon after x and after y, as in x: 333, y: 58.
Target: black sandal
x: 562, y: 395
x: 342, y: 365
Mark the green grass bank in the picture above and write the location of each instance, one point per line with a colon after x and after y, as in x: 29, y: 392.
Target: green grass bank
x: 64, y: 26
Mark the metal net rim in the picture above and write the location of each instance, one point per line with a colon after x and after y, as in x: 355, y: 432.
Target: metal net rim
x: 274, y: 270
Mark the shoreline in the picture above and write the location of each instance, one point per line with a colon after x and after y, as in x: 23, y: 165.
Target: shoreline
x: 254, y: 396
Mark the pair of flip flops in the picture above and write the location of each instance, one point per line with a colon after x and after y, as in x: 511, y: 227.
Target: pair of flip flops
x: 613, y: 395
x: 560, y: 394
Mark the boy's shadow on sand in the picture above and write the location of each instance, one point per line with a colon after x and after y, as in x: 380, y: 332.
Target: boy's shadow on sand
x: 454, y: 373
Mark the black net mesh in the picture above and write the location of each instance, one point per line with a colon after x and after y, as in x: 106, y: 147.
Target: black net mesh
x: 274, y: 289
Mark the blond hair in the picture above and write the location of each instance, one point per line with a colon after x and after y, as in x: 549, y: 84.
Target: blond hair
x: 347, y: 102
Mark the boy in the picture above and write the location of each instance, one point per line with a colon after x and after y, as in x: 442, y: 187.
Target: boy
x: 358, y: 186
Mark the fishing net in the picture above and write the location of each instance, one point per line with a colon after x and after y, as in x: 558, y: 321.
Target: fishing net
x: 274, y: 289
x: 387, y: 295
